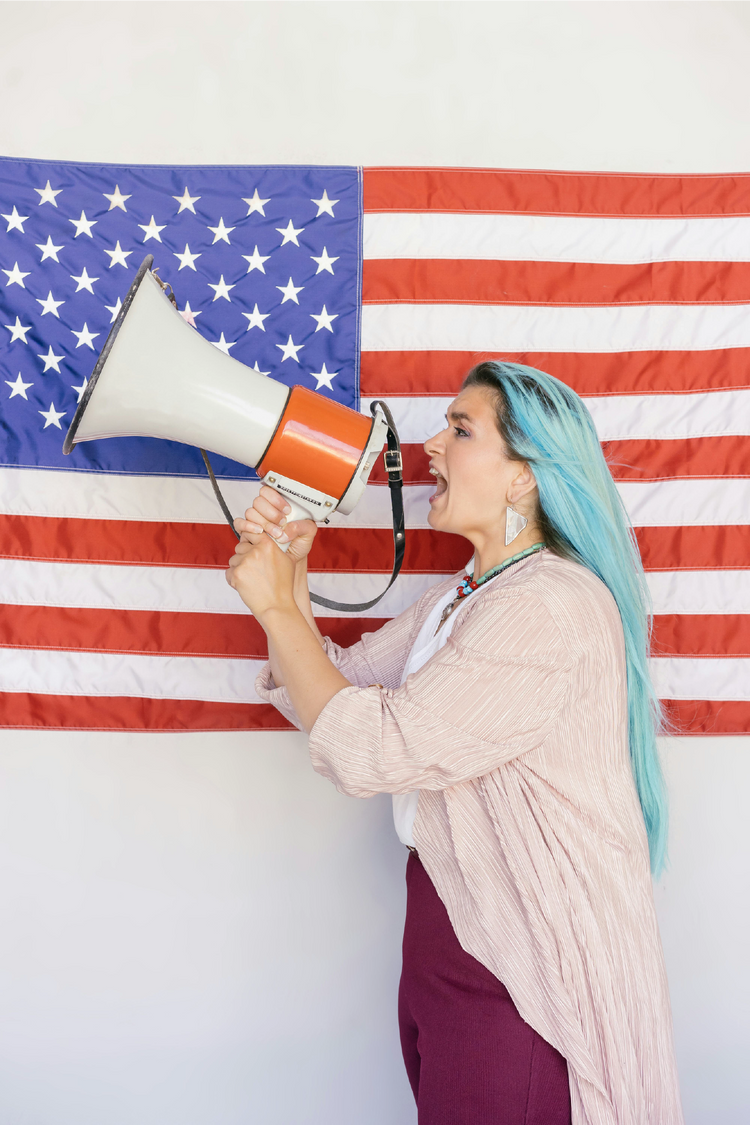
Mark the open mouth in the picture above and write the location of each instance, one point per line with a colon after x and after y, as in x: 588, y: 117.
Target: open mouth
x: 441, y: 483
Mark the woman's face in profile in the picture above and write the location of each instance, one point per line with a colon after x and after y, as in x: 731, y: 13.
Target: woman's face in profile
x: 475, y: 479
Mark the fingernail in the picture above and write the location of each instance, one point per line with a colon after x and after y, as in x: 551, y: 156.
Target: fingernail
x: 276, y: 532
x: 287, y: 508
x: 282, y: 521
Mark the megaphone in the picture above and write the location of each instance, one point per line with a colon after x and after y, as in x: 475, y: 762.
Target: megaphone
x: 157, y: 377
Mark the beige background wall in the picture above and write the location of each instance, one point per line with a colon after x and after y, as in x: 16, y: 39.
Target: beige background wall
x: 198, y: 930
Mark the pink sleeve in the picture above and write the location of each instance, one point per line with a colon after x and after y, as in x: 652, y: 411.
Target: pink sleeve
x: 493, y: 692
x: 378, y: 658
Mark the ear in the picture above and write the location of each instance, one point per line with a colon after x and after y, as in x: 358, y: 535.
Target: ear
x: 522, y: 484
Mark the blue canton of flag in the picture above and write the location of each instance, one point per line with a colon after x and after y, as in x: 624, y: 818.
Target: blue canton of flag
x: 264, y: 261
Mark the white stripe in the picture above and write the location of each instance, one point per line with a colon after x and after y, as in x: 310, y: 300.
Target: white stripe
x: 699, y: 591
x: 616, y: 417
x: 694, y: 502
x: 556, y: 238
x: 225, y: 680
x: 185, y: 590
x: 686, y: 503
x: 719, y: 677
x: 44, y: 672
x: 108, y: 496
x: 37, y: 492
x: 499, y: 329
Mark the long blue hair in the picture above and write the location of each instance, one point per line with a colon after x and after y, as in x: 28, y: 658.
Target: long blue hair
x: 581, y: 517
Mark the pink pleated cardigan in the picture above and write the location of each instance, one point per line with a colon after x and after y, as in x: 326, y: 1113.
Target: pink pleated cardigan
x: 528, y: 821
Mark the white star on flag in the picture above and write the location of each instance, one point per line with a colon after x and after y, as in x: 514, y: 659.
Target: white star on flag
x: 187, y: 259
x: 114, y: 309
x: 52, y: 416
x: 255, y: 203
x: 49, y: 250
x: 256, y: 260
x: 85, y: 337
x: 186, y: 201
x: 50, y: 305
x: 151, y: 230
x: 83, y: 225
x: 118, y: 256
x: 221, y: 232
x: 325, y: 205
x: 15, y: 276
x: 18, y: 387
x: 189, y: 314
x: 290, y: 350
x: 290, y: 291
x: 290, y: 233
x: 18, y: 331
x: 47, y: 194
x: 84, y: 281
x: 85, y: 382
x: 324, y: 261
x: 255, y: 319
x: 51, y: 360
x: 221, y: 289
x: 222, y: 344
x: 324, y: 378
x: 324, y: 319
x: 255, y: 365
x: 15, y: 221
x: 117, y: 199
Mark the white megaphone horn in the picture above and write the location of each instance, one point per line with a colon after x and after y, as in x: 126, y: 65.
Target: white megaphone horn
x: 157, y: 377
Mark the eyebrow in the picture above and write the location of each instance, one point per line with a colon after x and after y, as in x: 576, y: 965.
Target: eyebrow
x: 459, y: 416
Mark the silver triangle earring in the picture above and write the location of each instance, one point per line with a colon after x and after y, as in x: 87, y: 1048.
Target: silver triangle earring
x: 514, y: 524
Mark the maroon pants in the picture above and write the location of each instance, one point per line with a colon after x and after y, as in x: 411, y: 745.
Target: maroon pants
x: 470, y: 1058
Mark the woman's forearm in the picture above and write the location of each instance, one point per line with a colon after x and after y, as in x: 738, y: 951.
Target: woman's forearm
x: 303, y: 667
x: 302, y: 599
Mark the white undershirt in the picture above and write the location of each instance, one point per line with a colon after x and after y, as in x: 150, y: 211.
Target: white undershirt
x: 425, y: 646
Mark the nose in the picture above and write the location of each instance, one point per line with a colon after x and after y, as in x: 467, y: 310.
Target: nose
x: 435, y: 444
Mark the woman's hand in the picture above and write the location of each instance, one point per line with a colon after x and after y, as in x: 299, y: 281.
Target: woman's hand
x: 267, y: 517
x: 261, y: 574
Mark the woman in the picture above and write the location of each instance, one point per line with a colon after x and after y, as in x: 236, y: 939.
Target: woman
x: 515, y: 722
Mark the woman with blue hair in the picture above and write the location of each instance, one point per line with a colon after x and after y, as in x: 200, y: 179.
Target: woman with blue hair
x: 512, y: 716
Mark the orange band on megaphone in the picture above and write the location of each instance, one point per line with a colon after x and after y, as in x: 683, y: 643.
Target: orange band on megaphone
x: 317, y: 442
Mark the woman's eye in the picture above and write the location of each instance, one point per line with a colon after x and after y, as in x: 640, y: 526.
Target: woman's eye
x: 460, y: 432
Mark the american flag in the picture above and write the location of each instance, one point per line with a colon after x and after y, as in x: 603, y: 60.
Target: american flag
x: 376, y: 283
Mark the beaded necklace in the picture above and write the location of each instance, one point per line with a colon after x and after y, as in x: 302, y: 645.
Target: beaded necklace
x: 468, y: 585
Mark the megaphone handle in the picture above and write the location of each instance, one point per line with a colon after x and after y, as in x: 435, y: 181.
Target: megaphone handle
x: 297, y: 513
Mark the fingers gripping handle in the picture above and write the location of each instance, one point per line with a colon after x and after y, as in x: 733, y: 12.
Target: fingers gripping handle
x: 298, y: 512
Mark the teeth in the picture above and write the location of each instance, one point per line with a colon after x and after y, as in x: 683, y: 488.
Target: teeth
x: 434, y: 472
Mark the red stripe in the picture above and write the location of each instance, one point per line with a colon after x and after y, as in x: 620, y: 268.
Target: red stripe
x: 65, y: 712
x: 679, y: 459
x: 471, y: 282
x: 83, y: 712
x: 360, y: 550
x: 709, y: 716
x: 647, y: 460
x: 142, y: 543
x: 432, y: 373
x: 695, y: 548
x: 154, y: 632
x: 227, y: 635
x: 553, y: 193
x: 687, y: 634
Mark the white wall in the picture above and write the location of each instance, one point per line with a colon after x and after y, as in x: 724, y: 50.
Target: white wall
x: 197, y: 930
